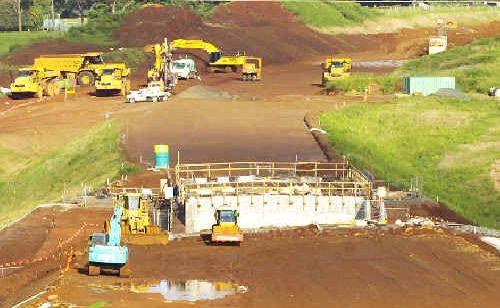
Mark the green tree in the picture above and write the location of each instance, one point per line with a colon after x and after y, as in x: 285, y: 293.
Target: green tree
x: 38, y: 10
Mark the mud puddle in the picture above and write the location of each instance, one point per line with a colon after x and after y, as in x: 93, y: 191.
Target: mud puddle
x: 177, y: 291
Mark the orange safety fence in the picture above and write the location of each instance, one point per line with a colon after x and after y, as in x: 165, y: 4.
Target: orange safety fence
x: 52, y: 256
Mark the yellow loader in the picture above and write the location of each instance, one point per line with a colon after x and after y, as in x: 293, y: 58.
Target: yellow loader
x: 113, y: 79
x: 226, y: 229
x: 136, y: 224
x: 335, y: 69
x: 252, y: 69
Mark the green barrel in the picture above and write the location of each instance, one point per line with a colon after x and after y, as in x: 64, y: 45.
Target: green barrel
x: 162, y: 156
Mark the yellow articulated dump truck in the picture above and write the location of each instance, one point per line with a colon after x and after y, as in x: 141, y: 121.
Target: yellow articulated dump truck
x: 252, y: 69
x: 335, y: 69
x: 113, y: 79
x: 85, y: 66
x: 35, y: 81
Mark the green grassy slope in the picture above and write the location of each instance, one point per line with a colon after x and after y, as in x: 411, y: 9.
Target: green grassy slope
x: 451, y: 144
x: 11, y: 41
x: 89, y: 159
x: 325, y: 13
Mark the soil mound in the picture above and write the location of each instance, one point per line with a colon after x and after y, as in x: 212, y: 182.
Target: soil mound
x: 204, y: 92
x: 151, y: 25
x: 262, y: 29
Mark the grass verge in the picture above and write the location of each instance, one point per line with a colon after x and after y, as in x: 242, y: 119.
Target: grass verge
x: 89, y: 159
x: 12, y: 41
x: 395, y: 18
x: 133, y: 57
x: 451, y: 144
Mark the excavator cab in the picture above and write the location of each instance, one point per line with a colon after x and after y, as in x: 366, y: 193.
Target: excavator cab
x: 226, y: 229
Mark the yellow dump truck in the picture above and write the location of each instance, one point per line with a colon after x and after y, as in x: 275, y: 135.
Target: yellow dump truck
x: 34, y: 81
x: 85, y: 66
x: 335, y: 69
x: 226, y: 229
x: 113, y: 79
x: 252, y: 69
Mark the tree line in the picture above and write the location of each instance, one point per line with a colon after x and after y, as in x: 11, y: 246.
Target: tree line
x: 24, y: 15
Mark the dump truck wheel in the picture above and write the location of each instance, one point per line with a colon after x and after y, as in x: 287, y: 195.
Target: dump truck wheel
x: 94, y: 270
x: 57, y: 90
x: 50, y: 89
x: 234, y: 68
x: 85, y: 79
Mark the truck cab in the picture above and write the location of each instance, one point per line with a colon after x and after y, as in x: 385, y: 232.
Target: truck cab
x: 184, y: 68
x: 33, y: 81
x: 113, y: 79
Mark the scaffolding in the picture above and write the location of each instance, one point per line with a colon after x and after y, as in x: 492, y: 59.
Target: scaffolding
x: 258, y: 178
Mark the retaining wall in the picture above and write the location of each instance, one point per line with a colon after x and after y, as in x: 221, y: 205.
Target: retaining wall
x: 257, y: 211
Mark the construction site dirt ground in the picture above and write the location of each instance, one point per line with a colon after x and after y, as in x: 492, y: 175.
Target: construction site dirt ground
x: 297, y: 268
x: 254, y: 121
x: 261, y: 121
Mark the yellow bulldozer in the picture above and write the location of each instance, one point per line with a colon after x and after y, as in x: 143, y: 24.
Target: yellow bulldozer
x: 335, y: 69
x: 252, y: 69
x: 35, y: 81
x: 226, y: 229
x: 113, y: 79
x: 136, y: 223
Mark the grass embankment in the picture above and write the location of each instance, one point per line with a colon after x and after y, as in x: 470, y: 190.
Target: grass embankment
x: 474, y: 67
x: 133, y: 57
x: 450, y: 144
x: 325, y: 13
x: 395, y: 18
x: 89, y: 159
x: 12, y: 41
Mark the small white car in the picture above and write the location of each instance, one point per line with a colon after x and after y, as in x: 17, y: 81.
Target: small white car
x: 149, y: 94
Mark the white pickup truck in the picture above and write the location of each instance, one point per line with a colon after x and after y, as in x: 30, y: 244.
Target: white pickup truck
x: 148, y: 94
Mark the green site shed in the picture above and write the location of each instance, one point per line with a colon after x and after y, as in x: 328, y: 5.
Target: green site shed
x: 426, y: 85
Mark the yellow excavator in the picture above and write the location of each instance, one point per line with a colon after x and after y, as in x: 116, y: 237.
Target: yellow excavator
x: 226, y: 229
x: 217, y: 61
x: 335, y: 69
x: 160, y: 74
